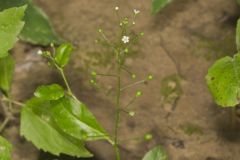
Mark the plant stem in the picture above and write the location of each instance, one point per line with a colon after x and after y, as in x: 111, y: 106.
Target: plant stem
x: 133, y: 84
x: 13, y: 102
x: 65, y: 81
x: 117, y: 114
x: 3, y: 125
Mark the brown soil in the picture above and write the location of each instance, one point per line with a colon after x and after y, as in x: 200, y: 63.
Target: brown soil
x: 180, y: 40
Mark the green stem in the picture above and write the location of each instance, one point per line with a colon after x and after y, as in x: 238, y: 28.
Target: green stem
x: 117, y: 115
x: 133, y: 84
x: 4, y: 124
x: 65, y: 81
x: 12, y: 101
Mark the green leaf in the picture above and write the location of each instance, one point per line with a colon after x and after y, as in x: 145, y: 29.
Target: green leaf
x: 63, y: 54
x: 75, y: 119
x: 157, y: 153
x: 157, y: 5
x: 238, y: 35
x: 6, y: 73
x: 38, y: 127
x: 223, y: 80
x: 5, y: 149
x: 10, y: 26
x: 37, y: 29
x: 49, y: 92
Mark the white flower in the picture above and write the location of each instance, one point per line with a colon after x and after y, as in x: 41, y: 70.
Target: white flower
x: 39, y: 52
x: 125, y: 39
x: 116, y: 8
x: 136, y: 11
x: 133, y: 23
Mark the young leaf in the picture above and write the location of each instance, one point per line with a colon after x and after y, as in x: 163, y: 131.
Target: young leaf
x: 10, y: 26
x: 6, y: 73
x: 157, y: 5
x: 5, y: 149
x: 37, y: 29
x: 223, y: 80
x: 63, y: 54
x: 157, y: 153
x: 75, y: 119
x: 238, y: 35
x: 37, y: 126
x: 49, y: 92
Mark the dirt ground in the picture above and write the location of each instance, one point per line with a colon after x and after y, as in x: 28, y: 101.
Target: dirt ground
x: 184, y: 39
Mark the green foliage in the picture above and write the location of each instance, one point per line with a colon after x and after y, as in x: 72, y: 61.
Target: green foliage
x: 157, y: 5
x: 223, y: 80
x: 75, y: 119
x: 5, y: 149
x: 63, y: 53
x: 58, y: 123
x: 50, y: 92
x: 38, y: 126
x: 6, y: 73
x: 37, y: 29
x: 157, y: 153
x: 10, y: 26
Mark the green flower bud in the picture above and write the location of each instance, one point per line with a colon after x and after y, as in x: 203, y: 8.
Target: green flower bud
x: 92, y: 81
x: 93, y: 73
x: 142, y: 34
x: 138, y: 94
x: 131, y: 113
x: 100, y: 30
x: 133, y: 76
x: 150, y: 77
x: 148, y: 136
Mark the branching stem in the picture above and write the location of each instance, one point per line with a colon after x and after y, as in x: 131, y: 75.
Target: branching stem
x: 117, y: 115
x: 133, y: 84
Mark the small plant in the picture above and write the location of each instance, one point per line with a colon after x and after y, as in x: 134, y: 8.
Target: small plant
x: 223, y: 79
x: 54, y: 120
x: 121, y: 48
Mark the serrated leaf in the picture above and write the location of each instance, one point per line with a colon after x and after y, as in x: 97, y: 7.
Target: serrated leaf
x: 157, y: 153
x: 63, y: 53
x: 75, y: 119
x: 37, y: 126
x: 10, y: 26
x: 6, y: 73
x: 37, y: 29
x: 238, y: 35
x: 223, y: 80
x: 5, y: 149
x: 157, y: 5
x: 49, y: 92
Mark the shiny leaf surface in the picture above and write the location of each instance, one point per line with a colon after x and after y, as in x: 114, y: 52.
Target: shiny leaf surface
x: 49, y: 92
x: 63, y: 53
x: 38, y: 127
